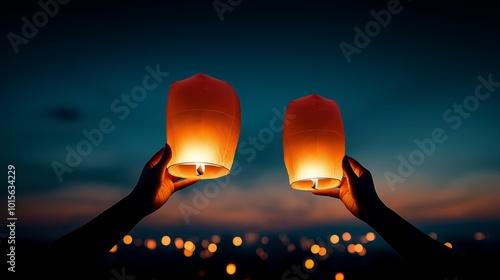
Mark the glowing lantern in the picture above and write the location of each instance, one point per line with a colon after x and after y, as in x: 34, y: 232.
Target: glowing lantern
x: 313, y: 143
x: 203, y: 126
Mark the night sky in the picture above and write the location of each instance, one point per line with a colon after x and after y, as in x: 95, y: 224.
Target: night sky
x: 417, y: 83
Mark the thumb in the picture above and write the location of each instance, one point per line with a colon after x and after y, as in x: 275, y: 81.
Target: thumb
x: 348, y: 171
x: 165, y: 158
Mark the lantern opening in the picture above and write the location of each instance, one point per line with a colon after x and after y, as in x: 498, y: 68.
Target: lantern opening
x: 203, y: 170
x: 315, y: 184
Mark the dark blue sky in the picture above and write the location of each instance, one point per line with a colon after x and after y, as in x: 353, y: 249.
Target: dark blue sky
x: 414, y: 75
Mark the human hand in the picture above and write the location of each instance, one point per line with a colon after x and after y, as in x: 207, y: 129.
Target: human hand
x: 356, y: 190
x: 156, y: 185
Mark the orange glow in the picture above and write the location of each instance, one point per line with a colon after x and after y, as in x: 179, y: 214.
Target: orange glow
x: 216, y: 238
x: 313, y: 143
x: 203, y: 119
x: 231, y: 269
x: 165, y: 240
x: 334, y: 239
x: 264, y: 240
x: 351, y: 248
x: 322, y: 251
x: 290, y: 248
x: 370, y: 236
x: 358, y: 248
x: 127, y: 239
x: 150, y: 244
x: 251, y: 237
x: 339, y: 276
x: 212, y: 247
x: 284, y: 239
x: 114, y: 249
x: 448, y: 244
x: 189, y: 245
x: 309, y: 264
x: 179, y: 243
x: 205, y: 243
x: 363, y: 252
x: 205, y: 254
x: 237, y: 241
x: 188, y: 253
x: 433, y: 235
x: 479, y: 236
x: 346, y: 236
x: 261, y: 253
x: 315, y: 248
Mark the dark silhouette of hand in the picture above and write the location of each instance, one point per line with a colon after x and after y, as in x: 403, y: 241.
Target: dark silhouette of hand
x: 356, y: 190
x: 357, y: 193
x: 156, y: 185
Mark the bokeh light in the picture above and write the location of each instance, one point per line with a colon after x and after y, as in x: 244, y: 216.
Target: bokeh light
x: 309, y: 264
x: 334, y: 239
x: 165, y: 240
x: 231, y: 269
x: 114, y: 249
x: 150, y: 244
x: 212, y: 247
x: 179, y: 243
x: 127, y: 239
x: 237, y: 241
x: 370, y: 236
x: 346, y: 236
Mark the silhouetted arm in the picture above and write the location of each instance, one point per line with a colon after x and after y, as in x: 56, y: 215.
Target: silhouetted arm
x: 86, y: 245
x: 430, y: 258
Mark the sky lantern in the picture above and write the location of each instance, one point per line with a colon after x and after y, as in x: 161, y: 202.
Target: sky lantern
x: 313, y: 143
x: 203, y: 120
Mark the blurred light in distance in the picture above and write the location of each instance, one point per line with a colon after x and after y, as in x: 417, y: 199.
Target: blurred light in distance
x: 237, y: 241
x: 334, y: 239
x: 179, y: 243
x: 150, y: 244
x: 165, y: 240
x: 346, y: 236
x: 231, y: 269
x: 309, y: 264
x: 127, y: 239
x: 212, y: 247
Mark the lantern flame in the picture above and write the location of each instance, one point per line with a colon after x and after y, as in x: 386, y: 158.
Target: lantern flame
x: 315, y: 183
x: 200, y: 169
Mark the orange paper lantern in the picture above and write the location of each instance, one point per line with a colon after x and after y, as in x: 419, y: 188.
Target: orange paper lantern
x: 203, y: 126
x: 313, y: 143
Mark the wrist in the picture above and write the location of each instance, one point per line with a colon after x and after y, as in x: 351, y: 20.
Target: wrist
x: 133, y: 208
x: 376, y: 213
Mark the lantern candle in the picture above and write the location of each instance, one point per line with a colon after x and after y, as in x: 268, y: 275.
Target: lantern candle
x: 203, y: 121
x: 313, y: 143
